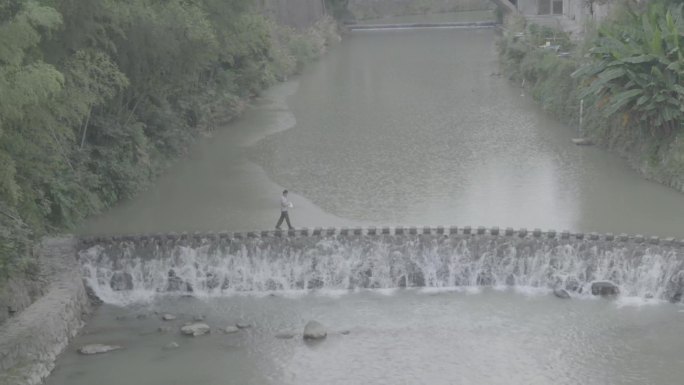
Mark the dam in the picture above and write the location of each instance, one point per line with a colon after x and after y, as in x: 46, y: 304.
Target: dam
x: 127, y: 268
x: 419, y: 305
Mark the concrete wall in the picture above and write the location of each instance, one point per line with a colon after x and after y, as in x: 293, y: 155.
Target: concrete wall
x: 31, y: 340
x: 576, y: 10
x: 380, y: 8
x: 527, y: 7
x: 17, y: 294
x: 300, y: 14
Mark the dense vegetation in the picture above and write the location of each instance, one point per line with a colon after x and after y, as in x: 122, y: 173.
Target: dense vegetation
x: 98, y: 96
x: 630, y: 74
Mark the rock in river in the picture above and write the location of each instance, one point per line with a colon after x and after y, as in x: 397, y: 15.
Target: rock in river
x: 561, y: 293
x: 98, y: 349
x: 121, y: 281
x: 285, y: 335
x: 195, y: 329
x: 604, y: 288
x: 315, y: 331
x: 171, y: 345
x: 168, y: 317
x: 231, y: 329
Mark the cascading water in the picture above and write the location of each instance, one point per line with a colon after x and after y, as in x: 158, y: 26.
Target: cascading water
x: 136, y: 269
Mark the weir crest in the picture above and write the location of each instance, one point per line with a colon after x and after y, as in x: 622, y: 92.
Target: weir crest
x: 122, y: 269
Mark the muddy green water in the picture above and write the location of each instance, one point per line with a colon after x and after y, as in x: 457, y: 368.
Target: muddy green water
x: 395, y: 337
x: 401, y: 127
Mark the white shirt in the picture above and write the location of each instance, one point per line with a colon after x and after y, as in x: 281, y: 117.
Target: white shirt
x: 284, y: 204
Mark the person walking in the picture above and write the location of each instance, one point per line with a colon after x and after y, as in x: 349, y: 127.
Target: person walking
x: 284, y: 206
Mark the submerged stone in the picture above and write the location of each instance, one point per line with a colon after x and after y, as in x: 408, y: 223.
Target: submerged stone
x: 98, y: 349
x: 561, y: 293
x: 604, y: 288
x: 285, y: 335
x: 315, y: 331
x: 572, y: 284
x: 171, y: 345
x: 176, y: 283
x: 195, y: 329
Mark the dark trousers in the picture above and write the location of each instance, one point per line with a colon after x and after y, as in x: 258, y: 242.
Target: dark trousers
x: 286, y: 217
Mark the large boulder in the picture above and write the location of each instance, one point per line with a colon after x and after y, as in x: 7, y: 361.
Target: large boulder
x: 314, y: 331
x: 195, y: 329
x: 98, y: 349
x: 121, y: 281
x: 561, y: 293
x: 604, y: 288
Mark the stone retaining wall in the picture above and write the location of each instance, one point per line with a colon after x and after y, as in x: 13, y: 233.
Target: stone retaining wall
x: 31, y: 340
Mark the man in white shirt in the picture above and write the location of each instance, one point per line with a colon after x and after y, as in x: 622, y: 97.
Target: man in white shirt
x: 284, y: 205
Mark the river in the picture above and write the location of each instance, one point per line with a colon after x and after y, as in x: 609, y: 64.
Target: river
x: 399, y: 128
x: 405, y: 127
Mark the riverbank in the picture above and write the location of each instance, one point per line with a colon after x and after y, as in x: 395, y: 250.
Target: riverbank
x: 550, y: 69
x: 104, y: 116
x: 41, y: 291
x: 218, y: 186
x: 120, y: 142
x: 31, y: 341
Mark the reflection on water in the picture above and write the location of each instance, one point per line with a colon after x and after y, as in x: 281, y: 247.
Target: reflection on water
x: 397, y: 337
x: 415, y: 127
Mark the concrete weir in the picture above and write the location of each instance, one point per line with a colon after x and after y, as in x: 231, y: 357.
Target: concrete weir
x: 128, y: 268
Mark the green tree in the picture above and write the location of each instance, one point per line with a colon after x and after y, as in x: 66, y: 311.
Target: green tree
x: 637, y: 69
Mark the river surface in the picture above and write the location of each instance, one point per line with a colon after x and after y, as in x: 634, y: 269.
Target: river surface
x: 406, y: 337
x: 400, y: 128
x: 406, y: 127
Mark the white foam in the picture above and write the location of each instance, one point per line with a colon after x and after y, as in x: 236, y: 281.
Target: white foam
x: 624, y: 301
x: 336, y: 265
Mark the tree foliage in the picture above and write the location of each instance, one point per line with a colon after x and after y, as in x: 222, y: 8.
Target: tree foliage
x: 97, y: 96
x: 636, y: 69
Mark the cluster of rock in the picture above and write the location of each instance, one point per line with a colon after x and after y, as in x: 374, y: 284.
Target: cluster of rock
x: 599, y: 288
x: 123, y: 281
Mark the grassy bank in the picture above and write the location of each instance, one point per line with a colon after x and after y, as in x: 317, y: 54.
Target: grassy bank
x: 629, y: 71
x: 98, y: 97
